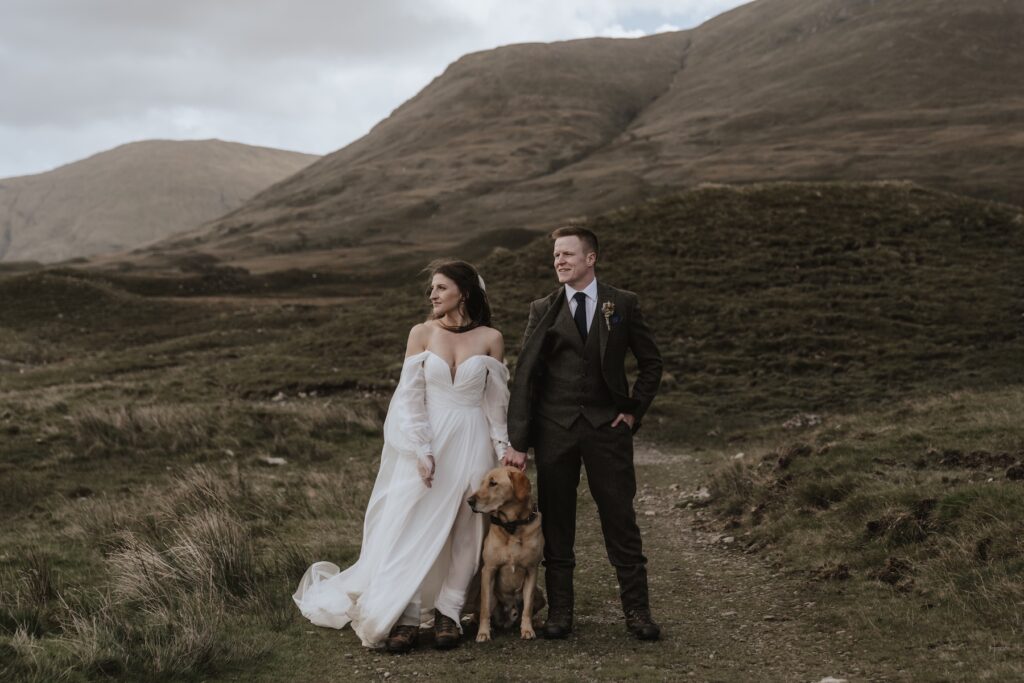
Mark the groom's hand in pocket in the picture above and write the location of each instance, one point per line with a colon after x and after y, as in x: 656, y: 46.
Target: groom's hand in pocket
x: 514, y: 458
x: 624, y: 417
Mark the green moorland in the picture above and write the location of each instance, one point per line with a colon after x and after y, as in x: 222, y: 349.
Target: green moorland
x: 860, y: 345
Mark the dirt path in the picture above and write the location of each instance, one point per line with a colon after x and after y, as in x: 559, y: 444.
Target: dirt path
x: 727, y: 615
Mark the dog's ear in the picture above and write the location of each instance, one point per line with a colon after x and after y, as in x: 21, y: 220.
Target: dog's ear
x: 520, y: 485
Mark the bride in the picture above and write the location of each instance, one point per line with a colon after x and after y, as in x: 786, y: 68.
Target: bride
x: 444, y: 430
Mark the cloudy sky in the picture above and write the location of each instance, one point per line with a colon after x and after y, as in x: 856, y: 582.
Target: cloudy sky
x: 81, y: 76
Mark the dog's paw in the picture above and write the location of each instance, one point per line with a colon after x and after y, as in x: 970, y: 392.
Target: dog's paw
x: 483, y: 636
x: 526, y: 633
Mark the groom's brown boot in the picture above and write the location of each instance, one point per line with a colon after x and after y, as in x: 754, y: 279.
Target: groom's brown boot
x: 641, y: 625
x: 558, y: 624
x: 560, y: 598
x: 633, y: 592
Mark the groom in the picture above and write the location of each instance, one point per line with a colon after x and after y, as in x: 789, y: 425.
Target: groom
x: 572, y: 404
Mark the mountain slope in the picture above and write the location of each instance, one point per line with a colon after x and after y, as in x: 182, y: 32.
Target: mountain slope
x: 528, y: 135
x: 133, y: 194
x: 492, y: 120
x: 921, y: 89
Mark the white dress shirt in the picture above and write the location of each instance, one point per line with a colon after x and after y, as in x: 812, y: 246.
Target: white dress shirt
x: 591, y: 292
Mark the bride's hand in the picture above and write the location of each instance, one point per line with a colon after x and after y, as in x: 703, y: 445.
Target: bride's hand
x: 425, y: 466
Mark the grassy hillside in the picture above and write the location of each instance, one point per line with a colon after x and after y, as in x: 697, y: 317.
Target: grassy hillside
x: 779, y: 299
x: 860, y: 344
x: 767, y: 300
x: 918, y: 500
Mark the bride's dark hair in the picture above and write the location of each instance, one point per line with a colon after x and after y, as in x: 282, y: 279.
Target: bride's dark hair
x: 470, y: 285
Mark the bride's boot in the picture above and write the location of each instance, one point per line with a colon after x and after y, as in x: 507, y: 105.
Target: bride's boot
x: 402, y: 638
x: 446, y: 632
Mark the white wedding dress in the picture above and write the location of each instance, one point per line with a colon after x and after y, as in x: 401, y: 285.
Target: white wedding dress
x: 421, y: 546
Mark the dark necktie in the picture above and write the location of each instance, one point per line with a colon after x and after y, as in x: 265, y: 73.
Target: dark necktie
x: 581, y: 314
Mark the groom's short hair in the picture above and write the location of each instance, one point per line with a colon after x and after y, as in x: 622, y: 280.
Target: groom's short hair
x: 586, y: 236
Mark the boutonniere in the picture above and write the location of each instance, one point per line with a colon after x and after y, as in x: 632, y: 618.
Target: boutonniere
x: 607, y: 309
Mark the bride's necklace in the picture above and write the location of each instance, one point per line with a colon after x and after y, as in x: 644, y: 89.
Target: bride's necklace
x: 457, y: 329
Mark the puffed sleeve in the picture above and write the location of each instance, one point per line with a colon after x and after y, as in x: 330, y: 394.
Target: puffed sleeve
x: 496, y: 405
x: 407, y: 426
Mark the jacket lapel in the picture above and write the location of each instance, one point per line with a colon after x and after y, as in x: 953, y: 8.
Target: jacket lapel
x: 604, y: 295
x: 555, y: 303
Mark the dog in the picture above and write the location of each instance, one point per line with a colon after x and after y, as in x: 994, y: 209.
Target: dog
x: 511, y: 554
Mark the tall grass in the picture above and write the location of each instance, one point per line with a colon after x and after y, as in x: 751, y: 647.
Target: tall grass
x: 26, y: 594
x: 27, y: 658
x: 979, y: 564
x: 188, y: 565
x: 174, y: 428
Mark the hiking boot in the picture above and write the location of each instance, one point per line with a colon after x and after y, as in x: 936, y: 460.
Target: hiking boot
x: 446, y: 632
x: 641, y: 625
x: 560, y: 601
x: 402, y: 638
x: 558, y: 624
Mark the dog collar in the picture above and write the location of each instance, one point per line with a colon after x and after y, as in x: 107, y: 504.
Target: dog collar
x: 514, y: 524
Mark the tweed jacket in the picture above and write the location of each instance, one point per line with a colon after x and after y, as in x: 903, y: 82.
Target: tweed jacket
x: 623, y: 329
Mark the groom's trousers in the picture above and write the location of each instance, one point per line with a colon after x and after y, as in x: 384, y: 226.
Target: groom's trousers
x: 607, y: 454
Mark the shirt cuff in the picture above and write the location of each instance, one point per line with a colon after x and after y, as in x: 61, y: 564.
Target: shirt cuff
x: 499, y: 447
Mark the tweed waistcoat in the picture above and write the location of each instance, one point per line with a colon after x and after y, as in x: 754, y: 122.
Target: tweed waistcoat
x: 572, y: 383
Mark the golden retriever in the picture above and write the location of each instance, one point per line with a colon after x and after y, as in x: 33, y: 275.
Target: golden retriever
x: 511, y: 554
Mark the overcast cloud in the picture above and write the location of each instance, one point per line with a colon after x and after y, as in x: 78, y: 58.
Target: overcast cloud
x: 81, y: 76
